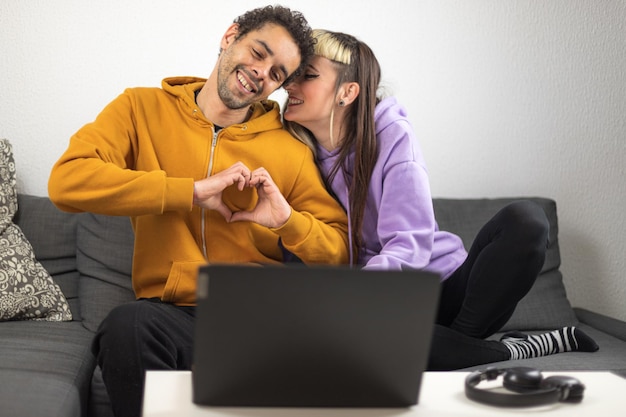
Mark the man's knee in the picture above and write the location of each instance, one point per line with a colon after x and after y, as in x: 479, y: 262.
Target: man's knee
x: 121, y: 325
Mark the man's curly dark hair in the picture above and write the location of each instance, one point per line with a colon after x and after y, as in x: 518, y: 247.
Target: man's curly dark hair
x: 293, y: 21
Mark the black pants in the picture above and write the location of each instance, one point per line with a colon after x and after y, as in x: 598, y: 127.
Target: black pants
x: 139, y: 336
x: 480, y: 297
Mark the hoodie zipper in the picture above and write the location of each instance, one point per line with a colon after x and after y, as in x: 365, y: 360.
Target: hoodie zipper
x: 203, y: 220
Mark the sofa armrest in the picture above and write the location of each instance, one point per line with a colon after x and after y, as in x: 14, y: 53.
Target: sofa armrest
x: 606, y: 324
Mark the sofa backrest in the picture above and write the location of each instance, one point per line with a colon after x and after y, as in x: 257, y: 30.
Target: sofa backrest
x: 104, y: 257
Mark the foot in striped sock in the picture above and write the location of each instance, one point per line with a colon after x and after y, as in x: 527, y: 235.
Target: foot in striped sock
x: 567, y: 339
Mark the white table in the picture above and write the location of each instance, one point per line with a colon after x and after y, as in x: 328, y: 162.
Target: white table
x: 168, y: 393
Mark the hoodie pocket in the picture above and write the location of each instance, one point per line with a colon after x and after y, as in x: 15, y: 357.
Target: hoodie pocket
x: 181, y: 284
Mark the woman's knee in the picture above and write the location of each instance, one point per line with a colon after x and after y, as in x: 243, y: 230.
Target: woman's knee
x: 528, y: 221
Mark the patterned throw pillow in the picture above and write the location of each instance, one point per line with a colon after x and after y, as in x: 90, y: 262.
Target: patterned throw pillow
x: 27, y: 291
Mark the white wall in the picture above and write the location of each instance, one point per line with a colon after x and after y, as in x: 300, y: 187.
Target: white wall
x: 509, y: 98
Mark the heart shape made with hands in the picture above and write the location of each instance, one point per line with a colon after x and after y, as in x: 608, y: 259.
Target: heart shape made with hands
x: 271, y: 208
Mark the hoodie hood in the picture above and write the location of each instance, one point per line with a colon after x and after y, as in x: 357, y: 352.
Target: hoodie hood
x: 265, y: 114
x: 387, y: 112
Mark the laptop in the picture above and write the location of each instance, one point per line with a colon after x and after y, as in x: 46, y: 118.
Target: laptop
x: 303, y: 336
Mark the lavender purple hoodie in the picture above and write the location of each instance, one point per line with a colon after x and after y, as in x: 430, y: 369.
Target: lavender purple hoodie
x: 399, y: 228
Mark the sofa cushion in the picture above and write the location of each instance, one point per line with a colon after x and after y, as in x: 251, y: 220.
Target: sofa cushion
x: 38, y: 394
x: 104, y: 258
x: 27, y: 291
x: 45, y: 369
x: 546, y: 305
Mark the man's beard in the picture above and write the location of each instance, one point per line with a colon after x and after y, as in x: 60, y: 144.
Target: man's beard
x: 229, y: 99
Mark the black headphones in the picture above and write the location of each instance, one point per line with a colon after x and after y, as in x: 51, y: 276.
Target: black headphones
x: 528, y: 386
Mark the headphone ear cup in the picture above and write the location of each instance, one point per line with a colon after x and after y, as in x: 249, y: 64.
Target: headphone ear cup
x: 522, y: 379
x: 571, y: 389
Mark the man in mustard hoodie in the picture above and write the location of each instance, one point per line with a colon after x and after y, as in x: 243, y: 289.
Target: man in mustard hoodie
x: 207, y: 175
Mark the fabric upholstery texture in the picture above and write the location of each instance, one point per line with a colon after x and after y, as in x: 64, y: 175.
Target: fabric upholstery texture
x: 104, y: 258
x: 27, y: 291
x: 45, y: 368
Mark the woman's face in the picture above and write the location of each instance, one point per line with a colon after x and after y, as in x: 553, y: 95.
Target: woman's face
x: 312, y: 96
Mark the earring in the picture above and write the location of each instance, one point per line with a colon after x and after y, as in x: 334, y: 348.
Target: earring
x: 341, y: 103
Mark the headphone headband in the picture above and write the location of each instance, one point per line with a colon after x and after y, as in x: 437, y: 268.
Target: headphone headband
x: 528, y: 385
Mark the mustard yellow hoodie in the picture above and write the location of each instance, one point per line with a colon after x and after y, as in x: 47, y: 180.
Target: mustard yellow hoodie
x: 140, y: 158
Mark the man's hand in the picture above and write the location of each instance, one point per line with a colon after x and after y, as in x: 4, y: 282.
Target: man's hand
x: 272, y: 210
x: 208, y: 191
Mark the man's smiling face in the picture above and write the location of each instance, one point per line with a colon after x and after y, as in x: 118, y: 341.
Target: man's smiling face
x: 255, y: 65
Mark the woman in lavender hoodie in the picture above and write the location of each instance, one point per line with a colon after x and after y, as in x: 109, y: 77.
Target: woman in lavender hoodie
x: 369, y: 157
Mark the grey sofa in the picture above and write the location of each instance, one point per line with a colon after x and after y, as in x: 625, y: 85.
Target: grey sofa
x: 46, y: 368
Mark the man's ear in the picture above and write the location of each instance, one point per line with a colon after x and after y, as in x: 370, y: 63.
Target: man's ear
x: 349, y: 92
x: 229, y: 36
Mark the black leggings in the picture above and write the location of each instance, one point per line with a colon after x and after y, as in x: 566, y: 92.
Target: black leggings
x: 481, y: 295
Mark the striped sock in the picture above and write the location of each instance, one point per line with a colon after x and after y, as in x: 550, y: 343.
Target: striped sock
x: 567, y: 339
